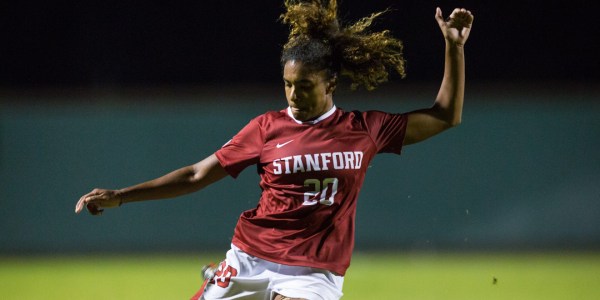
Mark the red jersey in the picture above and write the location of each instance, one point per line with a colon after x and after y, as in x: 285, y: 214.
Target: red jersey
x: 311, y: 174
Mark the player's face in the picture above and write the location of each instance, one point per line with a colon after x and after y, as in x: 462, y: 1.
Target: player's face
x: 309, y: 93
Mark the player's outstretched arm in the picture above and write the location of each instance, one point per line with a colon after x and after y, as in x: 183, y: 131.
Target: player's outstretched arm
x: 446, y: 112
x: 179, y: 182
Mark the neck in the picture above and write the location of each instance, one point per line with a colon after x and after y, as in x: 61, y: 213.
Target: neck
x: 315, y: 120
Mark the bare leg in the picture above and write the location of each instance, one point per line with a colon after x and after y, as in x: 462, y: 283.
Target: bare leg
x: 282, y: 297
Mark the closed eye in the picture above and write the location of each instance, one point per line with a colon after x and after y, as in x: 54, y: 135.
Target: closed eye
x: 301, y: 84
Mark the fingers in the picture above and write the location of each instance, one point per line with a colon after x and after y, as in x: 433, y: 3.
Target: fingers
x: 83, y: 201
x: 94, y: 210
x: 463, y: 20
x: 91, y: 201
x: 457, y: 26
x: 458, y: 14
x: 460, y: 18
x: 438, y: 17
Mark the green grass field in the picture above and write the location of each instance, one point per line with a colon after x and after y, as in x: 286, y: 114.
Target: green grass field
x: 372, y: 276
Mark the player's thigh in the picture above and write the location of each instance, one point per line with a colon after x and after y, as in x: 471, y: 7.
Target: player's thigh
x: 296, y: 282
x: 282, y: 297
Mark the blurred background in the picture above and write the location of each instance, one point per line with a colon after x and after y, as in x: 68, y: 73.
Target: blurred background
x: 112, y: 93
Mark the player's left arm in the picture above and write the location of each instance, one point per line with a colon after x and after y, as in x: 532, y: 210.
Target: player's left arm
x: 446, y: 112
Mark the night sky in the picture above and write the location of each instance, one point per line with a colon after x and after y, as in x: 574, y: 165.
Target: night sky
x: 157, y: 43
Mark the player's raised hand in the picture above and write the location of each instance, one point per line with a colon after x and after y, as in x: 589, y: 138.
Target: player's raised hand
x: 98, y: 199
x: 457, y: 27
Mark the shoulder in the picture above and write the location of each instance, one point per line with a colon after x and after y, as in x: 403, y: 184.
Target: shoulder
x: 363, y: 117
x: 373, y: 120
x: 377, y: 116
x: 270, y: 120
x: 360, y: 114
x: 270, y: 116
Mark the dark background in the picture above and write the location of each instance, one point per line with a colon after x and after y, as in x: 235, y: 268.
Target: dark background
x: 163, y: 43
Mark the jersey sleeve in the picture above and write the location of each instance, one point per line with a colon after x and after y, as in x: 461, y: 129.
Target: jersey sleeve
x: 386, y: 130
x: 242, y: 150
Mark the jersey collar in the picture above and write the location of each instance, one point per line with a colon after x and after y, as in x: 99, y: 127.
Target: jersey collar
x: 315, y: 121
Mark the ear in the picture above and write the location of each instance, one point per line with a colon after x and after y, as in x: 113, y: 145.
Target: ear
x: 332, y: 84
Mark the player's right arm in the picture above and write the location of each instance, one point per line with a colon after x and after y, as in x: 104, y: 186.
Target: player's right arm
x: 179, y: 182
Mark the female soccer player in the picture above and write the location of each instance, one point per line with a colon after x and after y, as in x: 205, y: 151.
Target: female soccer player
x: 312, y: 156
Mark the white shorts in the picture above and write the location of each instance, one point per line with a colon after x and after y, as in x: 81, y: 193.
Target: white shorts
x: 242, y: 276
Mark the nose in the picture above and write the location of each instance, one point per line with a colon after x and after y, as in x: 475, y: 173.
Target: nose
x: 292, y: 93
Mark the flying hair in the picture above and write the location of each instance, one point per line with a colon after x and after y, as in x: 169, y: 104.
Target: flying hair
x: 319, y: 40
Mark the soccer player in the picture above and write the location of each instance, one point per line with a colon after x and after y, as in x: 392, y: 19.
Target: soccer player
x: 312, y: 156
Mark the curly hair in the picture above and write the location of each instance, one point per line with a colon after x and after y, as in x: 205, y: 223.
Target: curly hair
x: 317, y: 39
